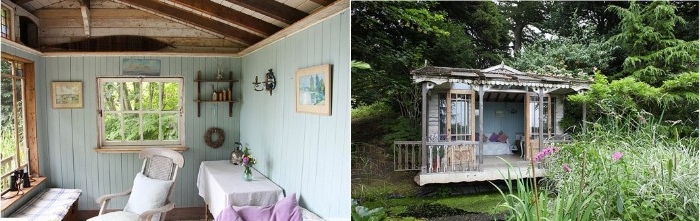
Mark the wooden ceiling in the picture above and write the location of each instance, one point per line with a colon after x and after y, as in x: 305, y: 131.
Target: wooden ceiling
x: 206, y: 26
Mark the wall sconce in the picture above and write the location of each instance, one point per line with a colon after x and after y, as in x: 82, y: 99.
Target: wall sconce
x: 268, y: 85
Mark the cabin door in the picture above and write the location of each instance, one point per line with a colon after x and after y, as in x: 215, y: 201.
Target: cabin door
x: 459, y: 115
x: 532, y: 122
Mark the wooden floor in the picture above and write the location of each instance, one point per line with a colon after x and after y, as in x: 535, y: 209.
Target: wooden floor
x: 493, y: 168
x: 177, y: 214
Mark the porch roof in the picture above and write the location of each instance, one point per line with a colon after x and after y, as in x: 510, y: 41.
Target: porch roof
x: 496, y: 75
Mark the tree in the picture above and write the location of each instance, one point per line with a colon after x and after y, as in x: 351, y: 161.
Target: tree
x: 522, y: 15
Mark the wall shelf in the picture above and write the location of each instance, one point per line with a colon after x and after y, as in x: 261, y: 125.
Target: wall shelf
x: 199, y: 99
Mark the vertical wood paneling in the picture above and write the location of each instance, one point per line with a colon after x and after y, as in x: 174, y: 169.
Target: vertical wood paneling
x: 310, y: 154
x: 71, y: 134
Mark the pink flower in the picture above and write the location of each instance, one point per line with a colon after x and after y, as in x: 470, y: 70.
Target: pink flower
x: 566, y: 168
x: 246, y: 160
x: 544, y: 153
x: 617, y: 155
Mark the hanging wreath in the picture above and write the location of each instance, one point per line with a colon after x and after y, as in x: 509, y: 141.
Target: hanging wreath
x: 214, y: 143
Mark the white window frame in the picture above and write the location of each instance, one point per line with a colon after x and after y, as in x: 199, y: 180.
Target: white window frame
x: 140, y: 144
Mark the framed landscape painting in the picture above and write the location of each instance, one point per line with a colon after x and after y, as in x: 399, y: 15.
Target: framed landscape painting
x: 67, y: 94
x: 313, y: 90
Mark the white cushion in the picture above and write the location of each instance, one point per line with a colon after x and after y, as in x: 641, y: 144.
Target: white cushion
x: 116, y: 216
x: 147, y: 194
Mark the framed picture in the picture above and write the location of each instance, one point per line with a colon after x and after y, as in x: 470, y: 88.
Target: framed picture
x: 141, y: 67
x: 313, y: 90
x: 67, y: 94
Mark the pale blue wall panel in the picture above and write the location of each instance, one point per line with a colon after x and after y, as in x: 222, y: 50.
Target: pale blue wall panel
x: 72, y: 133
x: 303, y: 153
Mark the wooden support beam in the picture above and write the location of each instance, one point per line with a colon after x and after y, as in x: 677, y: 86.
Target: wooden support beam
x: 181, y: 15
x: 19, y: 2
x: 323, y: 2
x: 231, y: 15
x: 85, y: 12
x: 424, y: 127
x: 481, y: 126
x: 272, y: 9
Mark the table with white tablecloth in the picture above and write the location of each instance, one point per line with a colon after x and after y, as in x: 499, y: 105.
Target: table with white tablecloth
x: 221, y: 185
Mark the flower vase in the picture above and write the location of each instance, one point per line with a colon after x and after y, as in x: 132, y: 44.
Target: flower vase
x: 247, y: 174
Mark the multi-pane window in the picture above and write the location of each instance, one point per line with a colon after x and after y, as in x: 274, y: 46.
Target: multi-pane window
x: 140, y: 111
x: 454, y: 116
x: 535, y: 116
x: 5, y: 23
x: 460, y: 112
x: 13, y: 129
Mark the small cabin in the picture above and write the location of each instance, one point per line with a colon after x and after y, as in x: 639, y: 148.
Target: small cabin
x: 88, y: 84
x: 476, y: 120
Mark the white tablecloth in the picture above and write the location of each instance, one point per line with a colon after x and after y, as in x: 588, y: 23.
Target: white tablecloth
x: 221, y: 185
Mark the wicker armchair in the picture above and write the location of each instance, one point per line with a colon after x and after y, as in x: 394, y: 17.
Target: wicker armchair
x: 160, y: 166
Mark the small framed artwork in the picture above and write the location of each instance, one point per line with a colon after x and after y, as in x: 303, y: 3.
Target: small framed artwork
x: 313, y: 90
x: 67, y: 94
x: 141, y: 67
x: 499, y: 113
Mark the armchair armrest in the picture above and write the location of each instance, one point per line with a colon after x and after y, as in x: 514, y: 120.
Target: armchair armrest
x: 104, y: 200
x: 146, y: 215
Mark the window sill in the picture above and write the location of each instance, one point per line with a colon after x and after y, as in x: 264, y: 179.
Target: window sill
x: 6, y: 203
x: 136, y: 149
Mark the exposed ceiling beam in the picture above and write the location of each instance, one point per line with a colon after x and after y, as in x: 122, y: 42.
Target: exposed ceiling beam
x: 85, y: 12
x: 272, y: 9
x: 19, y: 2
x: 323, y: 2
x: 231, y: 15
x: 182, y: 15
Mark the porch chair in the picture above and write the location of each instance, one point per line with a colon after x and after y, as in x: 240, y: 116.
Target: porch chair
x: 149, y: 197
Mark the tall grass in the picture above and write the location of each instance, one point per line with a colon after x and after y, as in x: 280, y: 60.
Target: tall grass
x: 653, y: 177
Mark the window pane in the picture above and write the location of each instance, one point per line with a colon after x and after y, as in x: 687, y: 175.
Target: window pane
x: 113, y: 127
x: 151, y: 96
x: 8, y: 119
x: 111, y: 99
x: 6, y: 68
x: 19, y: 105
x: 171, y: 96
x: 169, y: 127
x: 131, y: 91
x: 442, y: 115
x: 150, y: 126
x: 131, y: 127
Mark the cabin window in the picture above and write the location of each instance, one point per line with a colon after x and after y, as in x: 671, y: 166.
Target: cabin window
x: 460, y: 117
x: 14, y: 126
x: 535, y: 117
x: 455, y: 113
x: 5, y: 25
x: 140, y: 112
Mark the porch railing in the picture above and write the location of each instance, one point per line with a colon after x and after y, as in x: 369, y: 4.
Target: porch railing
x: 6, y: 169
x: 441, y: 157
x: 407, y: 155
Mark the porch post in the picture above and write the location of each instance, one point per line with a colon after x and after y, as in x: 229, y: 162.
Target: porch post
x: 424, y: 127
x: 540, y: 95
x: 481, y: 126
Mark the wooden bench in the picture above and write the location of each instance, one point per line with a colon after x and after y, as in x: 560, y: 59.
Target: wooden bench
x: 52, y: 204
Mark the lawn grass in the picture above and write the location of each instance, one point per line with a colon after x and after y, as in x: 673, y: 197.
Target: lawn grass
x: 478, y: 203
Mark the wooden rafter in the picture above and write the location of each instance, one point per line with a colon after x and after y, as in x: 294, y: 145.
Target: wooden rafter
x: 323, y: 2
x: 85, y: 12
x: 231, y: 15
x: 272, y: 9
x: 19, y: 2
x: 188, y: 17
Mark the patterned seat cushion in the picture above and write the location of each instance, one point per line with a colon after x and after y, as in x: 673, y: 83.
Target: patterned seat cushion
x: 52, y: 204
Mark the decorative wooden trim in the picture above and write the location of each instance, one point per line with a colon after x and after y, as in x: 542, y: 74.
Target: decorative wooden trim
x: 6, y: 203
x: 20, y: 47
x: 137, y: 149
x: 16, y: 58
